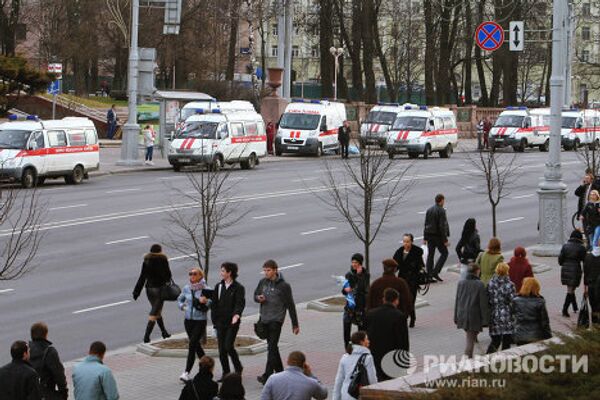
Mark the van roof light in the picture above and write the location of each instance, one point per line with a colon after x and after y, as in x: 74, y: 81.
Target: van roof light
x: 315, y: 101
x: 422, y: 107
x: 12, y: 117
x: 216, y: 111
x: 199, y: 111
x: 408, y: 107
x: 296, y: 100
x: 32, y: 118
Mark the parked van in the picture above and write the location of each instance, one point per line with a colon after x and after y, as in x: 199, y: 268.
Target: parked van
x: 218, y: 137
x: 422, y: 130
x: 373, y: 130
x: 520, y: 128
x: 580, y: 128
x: 310, y: 127
x: 33, y: 150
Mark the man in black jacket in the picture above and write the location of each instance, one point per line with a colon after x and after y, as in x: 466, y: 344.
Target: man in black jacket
x: 410, y: 263
x: 435, y: 236
x: 387, y: 330
x: 588, y: 184
x: 344, y: 138
x: 228, y: 303
x: 275, y: 297
x: 44, y: 358
x: 18, y: 379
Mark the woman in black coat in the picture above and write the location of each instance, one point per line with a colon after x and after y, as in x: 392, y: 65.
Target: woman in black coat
x: 571, y: 256
x: 591, y: 281
x: 410, y: 262
x: 202, y: 387
x: 591, y: 217
x: 531, y: 316
x: 155, y: 275
x: 469, y: 246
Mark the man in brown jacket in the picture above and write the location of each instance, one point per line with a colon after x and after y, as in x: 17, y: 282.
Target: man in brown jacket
x: 390, y: 280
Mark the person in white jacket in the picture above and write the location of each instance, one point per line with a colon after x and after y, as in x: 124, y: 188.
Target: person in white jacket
x: 359, y: 346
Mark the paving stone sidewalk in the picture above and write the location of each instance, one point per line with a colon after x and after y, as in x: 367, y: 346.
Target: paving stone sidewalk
x: 143, y: 377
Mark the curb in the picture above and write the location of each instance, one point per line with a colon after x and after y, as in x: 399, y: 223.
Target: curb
x: 151, y: 350
x: 321, y: 306
x: 537, y: 268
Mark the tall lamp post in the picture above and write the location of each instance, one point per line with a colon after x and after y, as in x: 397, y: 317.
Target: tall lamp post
x: 336, y: 53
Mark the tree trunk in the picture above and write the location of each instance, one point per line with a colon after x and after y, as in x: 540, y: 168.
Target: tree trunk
x: 442, y: 79
x: 353, y: 43
x: 235, y: 6
x: 494, y: 232
x: 468, y: 53
x: 429, y: 52
x: 368, y: 52
x: 325, y: 43
x: 391, y: 87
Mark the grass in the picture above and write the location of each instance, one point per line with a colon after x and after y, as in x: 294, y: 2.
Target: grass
x: 92, y: 102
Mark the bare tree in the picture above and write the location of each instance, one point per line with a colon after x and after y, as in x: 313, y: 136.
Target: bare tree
x: 367, y: 192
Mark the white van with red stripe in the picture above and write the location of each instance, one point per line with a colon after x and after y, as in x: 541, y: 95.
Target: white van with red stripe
x: 422, y: 130
x: 521, y: 128
x: 580, y: 128
x: 379, y: 120
x: 32, y: 150
x: 222, y: 136
x: 310, y: 127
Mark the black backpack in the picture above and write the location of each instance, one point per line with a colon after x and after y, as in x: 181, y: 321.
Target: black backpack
x: 359, y: 377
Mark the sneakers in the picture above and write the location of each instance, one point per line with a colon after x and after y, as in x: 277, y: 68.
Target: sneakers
x: 185, y: 377
x: 148, y: 163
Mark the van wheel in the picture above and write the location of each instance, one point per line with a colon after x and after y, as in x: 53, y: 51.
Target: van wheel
x: 447, y: 152
x: 76, y: 176
x: 319, y: 149
x: 413, y: 155
x: 544, y: 147
x: 29, y: 178
x: 522, y: 145
x: 427, y: 151
x: 250, y: 163
x: 277, y: 152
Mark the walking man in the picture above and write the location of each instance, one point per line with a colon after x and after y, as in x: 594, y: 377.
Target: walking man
x: 111, y: 120
x: 275, y: 297
x: 92, y: 379
x: 390, y: 280
x: 44, y: 358
x: 295, y: 383
x: 435, y: 236
x: 344, y: 138
x: 18, y: 379
x: 487, y: 127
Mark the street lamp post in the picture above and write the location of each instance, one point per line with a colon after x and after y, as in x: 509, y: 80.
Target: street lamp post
x: 336, y: 53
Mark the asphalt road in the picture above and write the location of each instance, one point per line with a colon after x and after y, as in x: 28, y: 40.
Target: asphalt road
x: 96, y: 235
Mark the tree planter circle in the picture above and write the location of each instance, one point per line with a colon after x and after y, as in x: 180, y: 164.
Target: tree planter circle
x: 178, y: 346
x: 337, y: 303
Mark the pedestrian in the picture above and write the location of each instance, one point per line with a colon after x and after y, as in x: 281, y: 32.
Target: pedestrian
x: 357, y: 351
x: 202, y: 387
x: 410, y: 266
x: 390, y: 280
x: 480, y: 134
x: 471, y: 308
x: 591, y: 281
x: 344, y: 138
x: 531, y: 316
x: 297, y: 382
x: 468, y: 247
x: 355, y: 290
x: 501, y: 291
x: 149, y: 137
x: 489, y: 259
x: 520, y: 268
x: 111, y: 121
x: 92, y: 379
x: 591, y: 218
x: 435, y: 236
x: 582, y: 192
x: 45, y: 360
x: 487, y: 127
x: 572, y: 254
x: 155, y: 274
x: 387, y: 330
x: 270, y: 136
x: 275, y: 297
x: 232, y: 388
x: 228, y: 303
x: 194, y: 301
x: 18, y: 379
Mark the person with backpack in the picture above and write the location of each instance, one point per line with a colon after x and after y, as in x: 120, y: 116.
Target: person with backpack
x: 468, y: 247
x: 44, y: 358
x: 357, y: 364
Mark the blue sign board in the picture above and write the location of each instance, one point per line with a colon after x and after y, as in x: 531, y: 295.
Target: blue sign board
x: 54, y: 87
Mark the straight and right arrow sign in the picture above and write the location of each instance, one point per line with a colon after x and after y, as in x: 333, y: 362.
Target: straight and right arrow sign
x: 516, y: 36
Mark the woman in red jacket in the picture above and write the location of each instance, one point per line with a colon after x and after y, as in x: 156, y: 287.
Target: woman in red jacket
x: 519, y: 267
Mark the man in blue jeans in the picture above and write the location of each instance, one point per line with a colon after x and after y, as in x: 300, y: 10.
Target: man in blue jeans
x: 435, y: 236
x: 275, y: 297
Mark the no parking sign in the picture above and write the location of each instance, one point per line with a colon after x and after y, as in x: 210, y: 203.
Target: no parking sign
x: 489, y: 36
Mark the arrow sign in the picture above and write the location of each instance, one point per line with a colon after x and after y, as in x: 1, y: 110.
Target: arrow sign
x: 516, y: 40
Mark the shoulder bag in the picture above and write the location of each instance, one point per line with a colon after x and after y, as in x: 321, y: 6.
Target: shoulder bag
x: 170, y: 291
x: 359, y: 377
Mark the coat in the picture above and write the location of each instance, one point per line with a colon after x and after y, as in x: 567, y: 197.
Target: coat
x: 488, y: 262
x: 205, y: 386
x: 531, y: 320
x: 92, y: 380
x: 468, y: 249
x: 344, y: 135
x: 471, y: 308
x: 591, y: 278
x: 519, y: 269
x: 436, y: 224
x: 375, y: 297
x: 409, y: 267
x: 570, y: 258
x: 155, y: 273
x: 591, y: 217
x: 346, y: 367
x: 293, y: 384
x: 501, y: 291
x: 44, y: 358
x: 19, y: 381
x: 227, y: 302
x: 185, y: 302
x: 279, y: 299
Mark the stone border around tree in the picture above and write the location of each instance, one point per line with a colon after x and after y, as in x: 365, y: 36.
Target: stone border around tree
x: 537, y: 268
x: 154, y: 351
x: 322, y: 306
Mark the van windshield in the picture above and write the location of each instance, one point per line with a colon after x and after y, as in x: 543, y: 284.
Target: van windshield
x: 199, y: 130
x: 299, y: 121
x: 13, y: 139
x: 569, y: 122
x: 512, y: 121
x: 381, y: 117
x: 407, y: 123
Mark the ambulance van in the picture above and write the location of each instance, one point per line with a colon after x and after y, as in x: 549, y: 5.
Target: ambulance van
x: 33, y: 150
x: 580, y: 128
x: 520, y: 128
x: 310, y: 127
x: 373, y: 130
x: 218, y: 137
x: 422, y: 130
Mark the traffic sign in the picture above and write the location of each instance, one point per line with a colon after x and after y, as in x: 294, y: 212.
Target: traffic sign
x: 489, y: 36
x: 55, y: 68
x: 54, y: 87
x: 516, y: 33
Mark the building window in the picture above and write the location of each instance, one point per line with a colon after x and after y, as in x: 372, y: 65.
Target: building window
x: 295, y: 52
x: 274, y: 51
x: 314, y: 52
x: 585, y: 55
x: 585, y: 33
x: 275, y: 30
x: 586, y: 9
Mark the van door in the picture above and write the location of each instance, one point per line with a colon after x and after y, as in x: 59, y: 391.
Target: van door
x: 57, y: 142
x: 37, y: 151
x: 75, y: 150
x: 324, y: 136
x: 236, y: 142
x: 251, y: 138
x: 438, y: 136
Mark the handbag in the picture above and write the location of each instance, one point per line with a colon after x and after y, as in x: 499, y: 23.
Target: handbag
x: 583, y: 320
x: 359, y: 377
x: 260, y: 329
x: 170, y: 291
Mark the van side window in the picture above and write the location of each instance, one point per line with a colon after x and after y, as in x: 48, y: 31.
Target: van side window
x: 57, y: 138
x: 324, y: 123
x: 261, y: 128
x: 251, y: 129
x: 37, y: 140
x: 439, y: 124
x: 76, y: 137
x: 90, y: 137
x: 237, y: 129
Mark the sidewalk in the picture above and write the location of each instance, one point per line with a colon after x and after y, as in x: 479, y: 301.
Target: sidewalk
x: 143, y: 377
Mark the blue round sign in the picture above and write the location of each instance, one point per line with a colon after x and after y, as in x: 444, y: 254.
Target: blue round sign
x: 489, y: 36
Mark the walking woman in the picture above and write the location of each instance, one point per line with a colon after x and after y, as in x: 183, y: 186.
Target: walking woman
x: 501, y: 291
x: 468, y: 247
x: 571, y: 256
x: 410, y: 264
x: 531, y: 316
x: 359, y: 349
x: 155, y: 275
x: 591, y: 281
x: 488, y: 260
x: 591, y: 218
x: 195, y: 305
x: 520, y: 268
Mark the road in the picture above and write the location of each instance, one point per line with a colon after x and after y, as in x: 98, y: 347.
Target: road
x: 96, y: 235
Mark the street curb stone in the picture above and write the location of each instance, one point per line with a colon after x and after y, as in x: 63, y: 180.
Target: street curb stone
x: 320, y: 305
x: 150, y: 349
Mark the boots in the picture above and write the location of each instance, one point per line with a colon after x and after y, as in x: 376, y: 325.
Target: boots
x: 149, y: 328
x: 574, y: 303
x: 567, y: 303
x: 163, y: 330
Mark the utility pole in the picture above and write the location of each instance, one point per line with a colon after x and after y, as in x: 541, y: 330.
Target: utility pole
x: 284, y: 45
x: 552, y: 191
x: 569, y: 46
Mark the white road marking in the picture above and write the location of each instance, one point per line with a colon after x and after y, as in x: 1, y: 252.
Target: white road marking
x: 511, y: 220
x: 422, y: 212
x: 418, y: 238
x: 291, y: 266
x: 269, y: 216
x: 237, y: 178
x: 6, y: 290
x: 127, y: 240
x: 381, y: 199
x: 319, y: 230
x: 169, y: 178
x: 306, y: 179
x: 65, y: 207
x: 123, y: 190
x: 182, y: 257
x: 523, y: 196
x: 118, y: 303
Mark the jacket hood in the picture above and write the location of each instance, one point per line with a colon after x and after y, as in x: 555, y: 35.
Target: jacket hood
x: 358, y: 349
x: 149, y: 256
